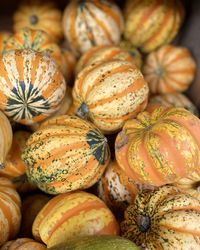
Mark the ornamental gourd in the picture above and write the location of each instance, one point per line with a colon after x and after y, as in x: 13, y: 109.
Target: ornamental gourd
x: 4, y: 36
x: 169, y: 69
x: 39, y: 15
x: 23, y: 244
x: 109, y: 93
x: 10, y: 215
x: 161, y: 147
x: 66, y: 153
x: 150, y: 24
x: 165, y: 219
x: 73, y: 214
x: 31, y: 87
x: 90, y: 23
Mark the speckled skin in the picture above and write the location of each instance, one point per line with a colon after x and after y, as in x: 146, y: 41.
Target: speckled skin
x: 151, y: 23
x: 92, y: 22
x: 73, y: 214
x: 161, y: 147
x: 31, y: 87
x: 66, y: 153
x: 169, y: 69
x: 4, y: 36
x: 109, y: 93
x: 23, y: 244
x: 164, y: 219
x: 10, y: 215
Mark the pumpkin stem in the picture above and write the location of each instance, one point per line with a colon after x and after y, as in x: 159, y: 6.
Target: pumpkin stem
x: 160, y: 72
x: 143, y: 223
x: 34, y: 19
x: 82, y: 111
x: 2, y: 166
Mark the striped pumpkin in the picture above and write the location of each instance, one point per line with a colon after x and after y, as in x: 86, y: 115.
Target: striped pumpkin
x: 66, y: 154
x: 103, y: 53
x: 10, y: 215
x: 39, y: 15
x: 109, y: 93
x: 68, y: 62
x: 74, y: 214
x: 4, y: 36
x: 92, y: 22
x: 151, y: 23
x: 161, y: 147
x: 177, y: 100
x: 165, y: 219
x: 169, y: 69
x: 6, y: 136
x: 23, y: 244
x: 36, y: 40
x: 31, y: 87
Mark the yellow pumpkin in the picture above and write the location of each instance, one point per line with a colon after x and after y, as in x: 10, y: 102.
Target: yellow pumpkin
x: 23, y: 244
x: 4, y: 36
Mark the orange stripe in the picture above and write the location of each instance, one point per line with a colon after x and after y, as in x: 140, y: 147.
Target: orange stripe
x: 181, y: 56
x: 72, y: 12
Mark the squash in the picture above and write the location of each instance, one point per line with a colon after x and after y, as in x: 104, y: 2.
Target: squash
x: 165, y: 219
x: 4, y: 36
x: 150, y: 24
x: 109, y: 93
x: 23, y: 244
x: 66, y: 153
x: 177, y: 100
x: 99, y: 242
x: 6, y: 137
x: 10, y: 215
x: 32, y: 87
x: 31, y: 206
x: 169, y: 69
x: 89, y: 23
x: 102, y: 53
x: 161, y: 147
x: 73, y: 214
x: 39, y: 15
x: 68, y: 62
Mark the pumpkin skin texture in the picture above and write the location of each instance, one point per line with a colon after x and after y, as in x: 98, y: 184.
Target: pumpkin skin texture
x: 109, y: 93
x: 66, y: 153
x: 4, y: 36
x: 6, y: 137
x: 169, y: 69
x: 32, y: 86
x: 159, y: 148
x: 73, y: 214
x: 39, y: 15
x: 151, y: 24
x: 10, y: 215
x: 23, y: 244
x: 159, y: 220
x: 90, y: 23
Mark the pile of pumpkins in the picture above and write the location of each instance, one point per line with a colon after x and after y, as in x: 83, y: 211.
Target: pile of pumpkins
x: 99, y: 147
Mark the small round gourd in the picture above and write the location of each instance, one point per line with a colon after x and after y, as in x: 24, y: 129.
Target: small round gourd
x: 23, y: 244
x: 89, y: 23
x: 73, y: 214
x: 109, y: 93
x: 32, y: 87
x: 169, y: 69
x: 4, y: 36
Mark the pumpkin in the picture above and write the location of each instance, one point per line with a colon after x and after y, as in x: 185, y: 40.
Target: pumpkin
x: 126, y: 45
x: 39, y: 15
x: 89, y: 23
x: 6, y: 136
x: 23, y: 244
x: 31, y: 206
x: 10, y: 215
x: 161, y: 147
x: 73, y: 214
x: 165, y: 219
x: 68, y: 62
x: 31, y: 87
x: 169, y: 69
x: 177, y: 100
x: 36, y: 40
x: 99, y: 242
x: 4, y: 36
x: 66, y: 153
x: 109, y: 93
x: 102, y: 53
x: 151, y: 24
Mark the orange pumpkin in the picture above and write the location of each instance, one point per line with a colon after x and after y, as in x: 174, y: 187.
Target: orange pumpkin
x: 74, y: 214
x: 31, y: 88
x: 169, y: 69
x: 10, y: 215
x: 23, y: 244
x: 109, y: 93
x: 68, y: 63
x: 39, y: 15
x: 151, y: 23
x: 161, y: 147
x: 89, y: 23
x: 4, y: 36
